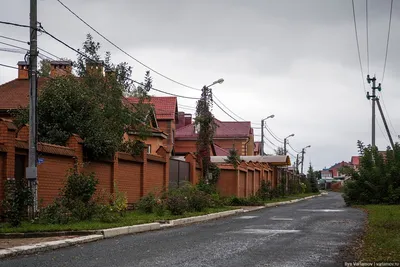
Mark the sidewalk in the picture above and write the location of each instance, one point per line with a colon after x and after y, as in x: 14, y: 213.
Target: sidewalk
x: 24, y: 246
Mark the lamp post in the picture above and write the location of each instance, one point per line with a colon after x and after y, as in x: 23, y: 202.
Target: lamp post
x: 302, y: 156
x: 285, y: 142
x: 203, y: 109
x: 262, y: 132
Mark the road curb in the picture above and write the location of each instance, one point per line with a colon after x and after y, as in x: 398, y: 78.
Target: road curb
x: 124, y: 230
x: 46, y: 246
x: 207, y: 217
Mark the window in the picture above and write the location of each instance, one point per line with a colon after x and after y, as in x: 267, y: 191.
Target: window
x: 148, y: 149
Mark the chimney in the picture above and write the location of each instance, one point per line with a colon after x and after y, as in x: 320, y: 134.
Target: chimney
x: 188, y: 119
x: 23, y: 70
x: 95, y: 67
x: 181, y: 120
x: 60, y: 68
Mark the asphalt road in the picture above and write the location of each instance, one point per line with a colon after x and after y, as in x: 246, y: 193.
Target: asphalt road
x: 307, y: 233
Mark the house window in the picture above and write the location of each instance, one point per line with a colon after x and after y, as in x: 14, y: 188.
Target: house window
x: 148, y: 149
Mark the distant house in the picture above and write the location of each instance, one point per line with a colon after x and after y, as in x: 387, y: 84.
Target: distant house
x: 355, y: 162
x: 257, y: 148
x: 228, y: 135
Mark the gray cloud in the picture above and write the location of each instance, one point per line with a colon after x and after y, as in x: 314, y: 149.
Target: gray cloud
x: 295, y: 59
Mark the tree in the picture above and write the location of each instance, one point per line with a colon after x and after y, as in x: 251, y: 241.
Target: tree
x: 233, y: 157
x: 89, y: 105
x: 206, y: 126
x: 44, y: 68
x: 313, y: 179
x: 377, y: 179
x: 279, y: 151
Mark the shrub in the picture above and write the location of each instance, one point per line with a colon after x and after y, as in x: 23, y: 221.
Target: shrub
x: 106, y: 214
x: 79, y: 187
x: 119, y: 201
x: 177, y: 204
x: 55, y: 213
x: 303, y: 187
x: 250, y: 201
x: 199, y: 200
x: 147, y: 203
x: 264, y: 192
x: 159, y: 207
x: 16, y: 201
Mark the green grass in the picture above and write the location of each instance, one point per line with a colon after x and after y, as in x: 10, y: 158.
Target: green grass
x: 382, y: 238
x: 131, y: 218
x: 291, y: 197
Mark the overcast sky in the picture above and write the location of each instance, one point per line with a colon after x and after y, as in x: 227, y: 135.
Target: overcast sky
x: 296, y: 59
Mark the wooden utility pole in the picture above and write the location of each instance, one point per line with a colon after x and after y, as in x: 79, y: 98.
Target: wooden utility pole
x: 31, y: 171
x: 373, y: 97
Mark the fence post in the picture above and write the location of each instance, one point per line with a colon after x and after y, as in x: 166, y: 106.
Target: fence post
x: 161, y: 151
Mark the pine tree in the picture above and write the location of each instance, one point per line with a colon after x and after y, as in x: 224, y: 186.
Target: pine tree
x: 313, y: 179
x: 233, y: 157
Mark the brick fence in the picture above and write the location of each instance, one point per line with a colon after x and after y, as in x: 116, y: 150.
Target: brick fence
x: 134, y: 175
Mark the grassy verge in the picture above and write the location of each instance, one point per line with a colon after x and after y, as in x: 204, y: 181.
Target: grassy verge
x: 382, y: 238
x: 131, y: 218
x: 291, y: 197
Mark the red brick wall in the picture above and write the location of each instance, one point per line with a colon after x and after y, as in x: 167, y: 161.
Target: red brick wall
x: 154, y: 180
x: 250, y: 179
x: 227, y: 182
x: 51, y: 176
x: 3, y: 177
x: 257, y: 180
x: 242, y: 184
x: 128, y: 179
x: 103, y: 172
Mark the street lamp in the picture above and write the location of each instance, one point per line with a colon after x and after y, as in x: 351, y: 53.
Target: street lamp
x: 262, y: 132
x: 284, y: 143
x: 302, y: 156
x: 217, y: 81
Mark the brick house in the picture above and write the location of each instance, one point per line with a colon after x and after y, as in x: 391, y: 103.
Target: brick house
x: 228, y: 134
x: 166, y: 112
x: 257, y: 148
x: 15, y: 95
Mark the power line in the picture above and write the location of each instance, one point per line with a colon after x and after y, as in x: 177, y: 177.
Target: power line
x: 8, y: 66
x: 293, y: 148
x: 227, y: 107
x: 358, y: 45
x: 387, y: 40
x: 12, y: 39
x: 14, y: 24
x: 273, y: 135
x: 123, y: 51
x: 225, y: 111
x: 366, y: 23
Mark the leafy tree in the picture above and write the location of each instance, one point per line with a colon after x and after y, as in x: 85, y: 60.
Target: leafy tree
x: 44, y: 68
x: 206, y: 126
x: 279, y: 151
x: 233, y: 157
x: 377, y: 179
x: 89, y: 105
x: 313, y: 179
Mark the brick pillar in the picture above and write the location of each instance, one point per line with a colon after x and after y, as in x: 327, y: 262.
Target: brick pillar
x: 161, y: 151
x: 246, y: 181
x: 143, y: 171
x: 7, y: 140
x: 192, y: 168
x: 76, y: 143
x: 114, y: 178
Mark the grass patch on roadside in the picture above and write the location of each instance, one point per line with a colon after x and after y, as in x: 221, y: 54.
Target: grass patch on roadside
x: 291, y: 197
x: 382, y: 238
x: 131, y: 218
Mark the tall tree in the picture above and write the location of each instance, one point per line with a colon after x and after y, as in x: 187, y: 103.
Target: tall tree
x: 313, y: 179
x: 279, y: 151
x: 44, y: 68
x: 206, y: 126
x: 90, y: 106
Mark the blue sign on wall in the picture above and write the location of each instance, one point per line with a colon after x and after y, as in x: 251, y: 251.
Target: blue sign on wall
x: 40, y: 161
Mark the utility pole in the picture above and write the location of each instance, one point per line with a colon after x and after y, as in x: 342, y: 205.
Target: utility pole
x: 297, y: 163
x: 31, y: 171
x: 384, y: 122
x: 262, y: 138
x: 373, y: 97
x: 284, y: 146
x: 302, y: 159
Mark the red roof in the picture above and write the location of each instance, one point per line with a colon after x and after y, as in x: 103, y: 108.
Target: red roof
x: 219, y: 151
x: 166, y: 106
x: 15, y: 93
x: 225, y: 129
